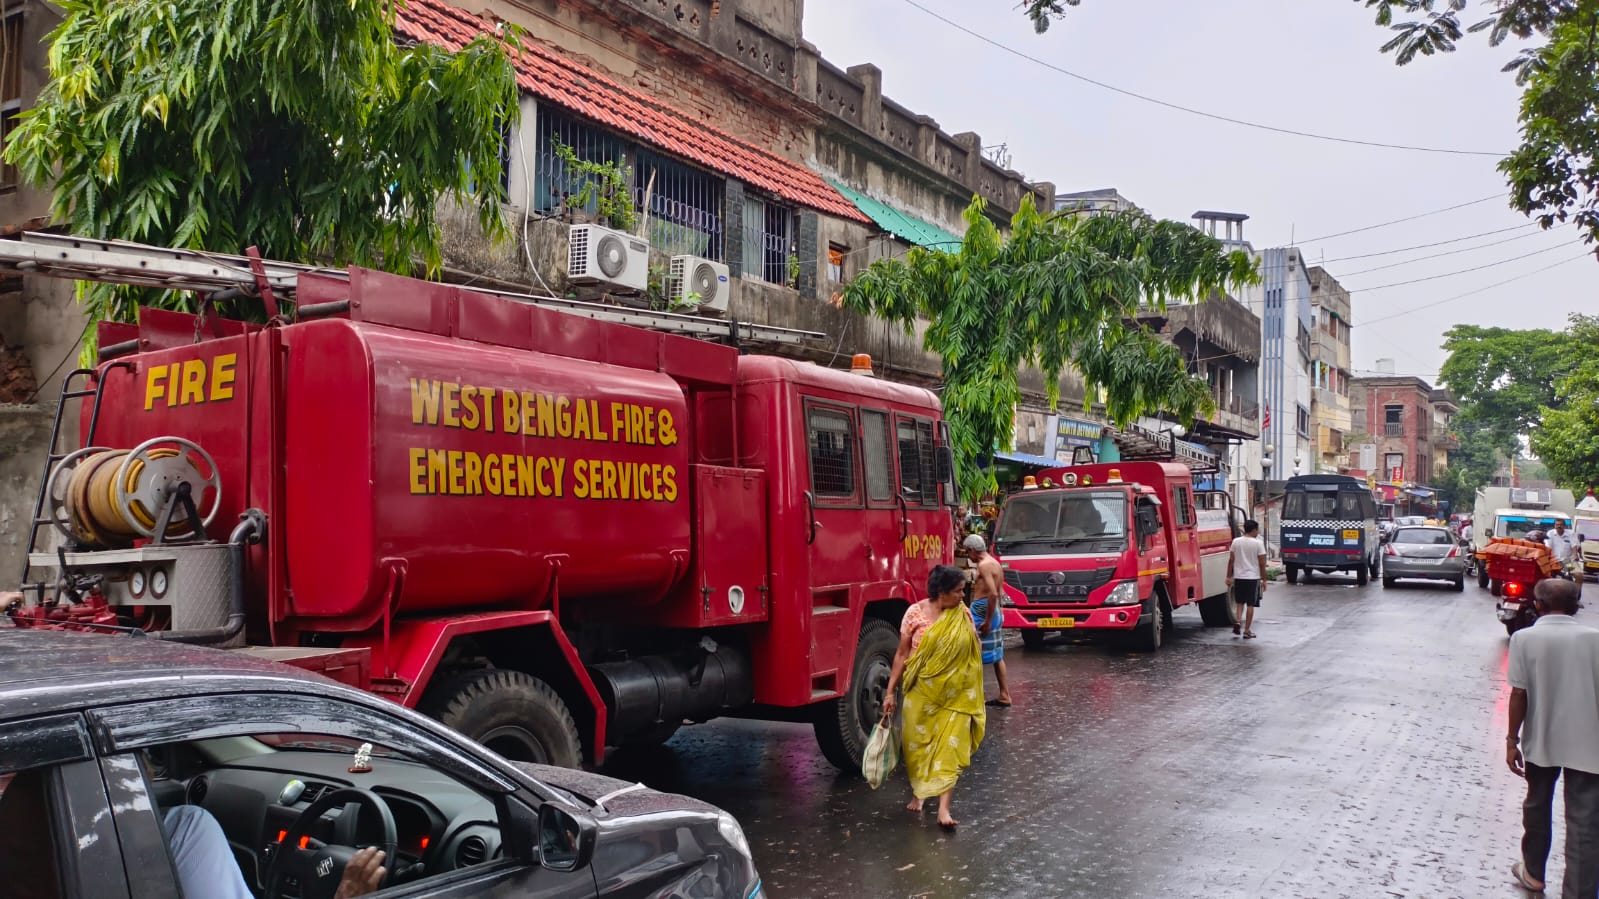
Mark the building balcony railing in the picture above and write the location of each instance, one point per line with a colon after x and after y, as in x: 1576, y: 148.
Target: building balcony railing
x: 1393, y: 429
x: 1446, y: 441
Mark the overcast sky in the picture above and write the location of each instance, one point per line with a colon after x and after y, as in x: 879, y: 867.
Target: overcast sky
x: 1308, y: 65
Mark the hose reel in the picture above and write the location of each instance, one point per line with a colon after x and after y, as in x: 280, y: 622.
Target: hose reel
x: 164, y: 489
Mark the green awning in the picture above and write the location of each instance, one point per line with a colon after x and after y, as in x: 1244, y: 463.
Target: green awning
x: 905, y: 227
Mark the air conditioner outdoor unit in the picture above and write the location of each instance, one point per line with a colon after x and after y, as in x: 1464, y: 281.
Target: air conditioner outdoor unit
x: 692, y: 280
x: 602, y: 256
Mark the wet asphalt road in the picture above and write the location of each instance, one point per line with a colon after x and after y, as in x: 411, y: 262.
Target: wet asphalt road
x: 1354, y: 750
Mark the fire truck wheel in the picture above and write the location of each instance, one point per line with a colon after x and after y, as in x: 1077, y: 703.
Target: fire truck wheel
x: 1033, y: 638
x: 1218, y: 610
x: 1151, y: 633
x: 843, y: 725
x: 1293, y: 572
x: 512, y: 713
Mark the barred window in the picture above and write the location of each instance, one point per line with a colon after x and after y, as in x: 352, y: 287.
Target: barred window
x: 768, y: 239
x: 874, y: 446
x: 684, y: 206
x: 832, y: 456
x: 918, y: 479
x: 555, y: 182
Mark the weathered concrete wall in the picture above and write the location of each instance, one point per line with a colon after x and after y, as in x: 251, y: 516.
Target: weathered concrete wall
x: 678, y: 53
x: 40, y: 320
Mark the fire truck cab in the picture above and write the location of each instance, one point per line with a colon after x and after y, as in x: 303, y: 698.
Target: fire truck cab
x: 1117, y: 548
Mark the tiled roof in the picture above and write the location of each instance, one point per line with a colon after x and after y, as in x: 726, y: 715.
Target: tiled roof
x: 582, y: 90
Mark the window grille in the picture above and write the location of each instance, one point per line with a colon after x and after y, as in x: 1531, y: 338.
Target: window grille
x: 685, y: 206
x: 768, y: 239
x: 553, y: 182
x: 918, y: 480
x: 832, y: 456
x: 874, y: 445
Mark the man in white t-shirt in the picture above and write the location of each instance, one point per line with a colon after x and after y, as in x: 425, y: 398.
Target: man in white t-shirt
x: 1562, y: 543
x: 1554, y: 735
x: 1246, y: 565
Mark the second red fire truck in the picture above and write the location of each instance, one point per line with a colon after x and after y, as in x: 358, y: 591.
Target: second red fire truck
x: 1115, y: 550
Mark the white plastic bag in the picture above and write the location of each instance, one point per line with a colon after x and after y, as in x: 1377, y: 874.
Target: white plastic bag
x: 882, y: 754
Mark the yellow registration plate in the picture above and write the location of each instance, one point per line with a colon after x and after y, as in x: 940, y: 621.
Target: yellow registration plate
x: 1057, y: 622
x: 1351, y: 535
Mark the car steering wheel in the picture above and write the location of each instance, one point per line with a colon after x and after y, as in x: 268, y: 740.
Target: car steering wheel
x: 320, y: 866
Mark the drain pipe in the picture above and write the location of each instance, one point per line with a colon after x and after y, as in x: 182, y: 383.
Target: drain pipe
x: 250, y: 530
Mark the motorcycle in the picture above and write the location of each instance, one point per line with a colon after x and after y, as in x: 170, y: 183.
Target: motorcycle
x: 1514, y: 568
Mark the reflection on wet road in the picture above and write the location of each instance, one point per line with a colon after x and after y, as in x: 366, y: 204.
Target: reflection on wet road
x: 1354, y: 750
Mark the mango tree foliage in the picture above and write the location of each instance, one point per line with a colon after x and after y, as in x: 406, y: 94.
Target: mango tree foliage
x: 1057, y: 291
x: 1503, y: 377
x: 298, y: 126
x: 1567, y: 437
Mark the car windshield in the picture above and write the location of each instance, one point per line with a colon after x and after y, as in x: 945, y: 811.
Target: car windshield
x: 1519, y: 526
x: 1319, y: 503
x: 1423, y: 536
x: 1096, y: 517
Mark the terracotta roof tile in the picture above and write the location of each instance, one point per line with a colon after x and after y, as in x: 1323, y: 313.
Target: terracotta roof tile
x: 560, y: 81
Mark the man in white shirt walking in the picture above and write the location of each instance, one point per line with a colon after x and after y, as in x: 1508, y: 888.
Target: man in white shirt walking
x: 1554, y: 735
x: 1246, y: 565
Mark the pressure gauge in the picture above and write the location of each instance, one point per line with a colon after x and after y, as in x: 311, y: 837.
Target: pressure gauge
x: 136, y: 583
x: 158, y: 583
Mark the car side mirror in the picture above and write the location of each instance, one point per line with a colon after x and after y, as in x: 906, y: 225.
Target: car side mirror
x: 566, y: 840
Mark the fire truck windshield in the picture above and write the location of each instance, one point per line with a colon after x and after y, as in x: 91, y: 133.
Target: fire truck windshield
x: 1087, y: 520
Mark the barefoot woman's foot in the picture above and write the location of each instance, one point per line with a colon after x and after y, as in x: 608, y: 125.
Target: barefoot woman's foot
x: 914, y: 806
x: 947, y: 822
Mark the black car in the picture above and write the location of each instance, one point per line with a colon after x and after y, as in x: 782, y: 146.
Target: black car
x: 106, y: 739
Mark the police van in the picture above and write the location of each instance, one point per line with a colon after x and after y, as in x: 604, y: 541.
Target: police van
x: 1329, y: 523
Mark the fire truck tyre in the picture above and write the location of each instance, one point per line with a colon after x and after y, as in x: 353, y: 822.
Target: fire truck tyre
x: 1033, y: 638
x: 844, y: 724
x: 1293, y: 572
x: 512, y: 713
x: 1218, y: 610
x: 1151, y: 632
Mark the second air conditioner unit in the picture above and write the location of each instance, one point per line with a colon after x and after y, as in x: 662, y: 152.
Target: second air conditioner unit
x: 599, y: 255
x: 692, y: 281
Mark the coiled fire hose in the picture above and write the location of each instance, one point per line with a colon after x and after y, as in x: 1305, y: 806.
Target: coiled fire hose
x: 108, y: 498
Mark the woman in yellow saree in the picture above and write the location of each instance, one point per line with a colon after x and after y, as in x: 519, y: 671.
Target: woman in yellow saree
x: 941, y: 664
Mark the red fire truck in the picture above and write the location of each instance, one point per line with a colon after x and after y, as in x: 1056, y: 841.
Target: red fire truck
x: 551, y: 529
x: 1116, y: 549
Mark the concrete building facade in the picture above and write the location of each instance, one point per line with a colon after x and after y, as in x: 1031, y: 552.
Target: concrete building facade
x: 1286, y: 322
x: 1331, y: 324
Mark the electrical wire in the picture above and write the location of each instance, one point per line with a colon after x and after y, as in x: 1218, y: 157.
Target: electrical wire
x: 1464, y: 271
x: 1470, y: 293
x: 1408, y: 218
x: 1406, y: 262
x: 1190, y: 110
x: 1426, y: 246
x: 77, y: 347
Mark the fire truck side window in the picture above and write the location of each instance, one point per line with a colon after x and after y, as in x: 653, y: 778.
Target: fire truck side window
x: 1185, y: 512
x: 874, y: 449
x: 918, y: 481
x: 832, y: 456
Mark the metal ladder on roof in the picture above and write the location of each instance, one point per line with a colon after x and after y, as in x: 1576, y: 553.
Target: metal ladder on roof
x: 141, y: 265
x: 42, y: 521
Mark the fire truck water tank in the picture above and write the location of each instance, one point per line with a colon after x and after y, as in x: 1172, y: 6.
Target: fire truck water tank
x: 479, y: 475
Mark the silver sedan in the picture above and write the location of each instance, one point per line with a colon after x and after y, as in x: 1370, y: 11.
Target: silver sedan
x: 1429, y: 553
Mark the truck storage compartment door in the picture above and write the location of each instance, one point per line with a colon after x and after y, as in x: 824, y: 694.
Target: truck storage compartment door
x: 727, y: 582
